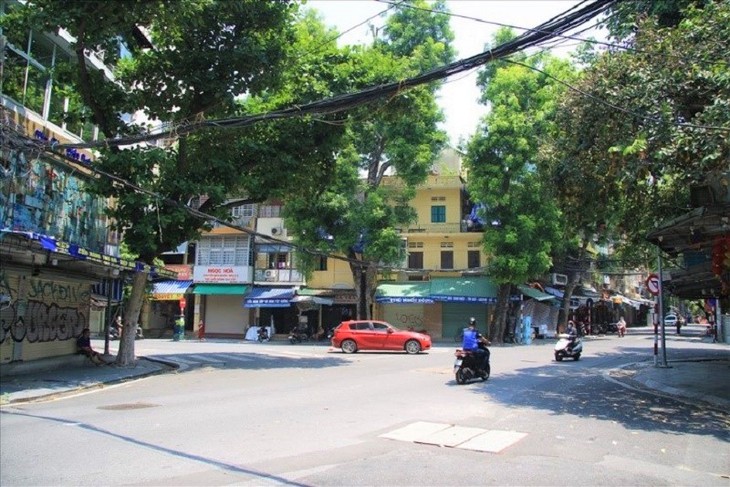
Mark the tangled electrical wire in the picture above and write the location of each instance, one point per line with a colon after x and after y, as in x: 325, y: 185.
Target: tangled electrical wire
x: 556, y: 26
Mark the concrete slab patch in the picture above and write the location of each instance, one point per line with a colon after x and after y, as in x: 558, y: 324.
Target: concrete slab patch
x: 415, y: 431
x: 492, y: 441
x: 453, y: 436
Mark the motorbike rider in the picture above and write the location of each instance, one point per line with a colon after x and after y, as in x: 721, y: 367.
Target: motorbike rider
x: 572, y: 333
x: 476, y: 343
x: 621, y: 325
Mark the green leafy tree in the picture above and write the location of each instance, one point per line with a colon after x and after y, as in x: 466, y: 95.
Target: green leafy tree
x: 354, y: 216
x: 644, y: 124
x: 202, y: 55
x: 502, y: 158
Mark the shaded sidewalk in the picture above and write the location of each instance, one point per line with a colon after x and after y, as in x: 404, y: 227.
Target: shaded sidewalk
x: 701, y: 380
x: 62, y: 376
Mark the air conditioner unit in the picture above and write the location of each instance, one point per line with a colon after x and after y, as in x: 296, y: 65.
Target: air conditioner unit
x: 270, y: 273
x: 558, y: 279
x: 277, y: 231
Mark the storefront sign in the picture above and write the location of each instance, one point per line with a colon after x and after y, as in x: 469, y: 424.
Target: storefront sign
x: 221, y: 275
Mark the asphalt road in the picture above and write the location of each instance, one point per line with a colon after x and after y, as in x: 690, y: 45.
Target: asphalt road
x: 278, y: 414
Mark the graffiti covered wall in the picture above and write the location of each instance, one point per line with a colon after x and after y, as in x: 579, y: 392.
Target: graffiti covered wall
x: 45, y: 317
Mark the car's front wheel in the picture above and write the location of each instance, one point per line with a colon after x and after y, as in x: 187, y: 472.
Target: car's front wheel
x: 349, y: 346
x: 412, y: 346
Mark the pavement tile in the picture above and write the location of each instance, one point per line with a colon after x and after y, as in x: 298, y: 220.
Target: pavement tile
x: 453, y: 436
x: 414, y: 431
x: 493, y: 441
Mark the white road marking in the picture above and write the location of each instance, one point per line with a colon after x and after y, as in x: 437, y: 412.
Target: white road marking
x: 461, y: 437
x: 235, y: 358
x: 208, y: 360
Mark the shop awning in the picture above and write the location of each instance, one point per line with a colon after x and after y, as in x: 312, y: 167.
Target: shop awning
x: 169, y: 290
x: 464, y: 290
x: 555, y: 292
x: 273, y: 248
x: 313, y: 300
x: 221, y: 289
x: 404, y: 293
x: 533, y: 293
x: 308, y: 291
x: 269, y: 297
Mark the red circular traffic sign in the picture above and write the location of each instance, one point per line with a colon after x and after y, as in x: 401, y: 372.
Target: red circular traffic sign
x: 652, y: 284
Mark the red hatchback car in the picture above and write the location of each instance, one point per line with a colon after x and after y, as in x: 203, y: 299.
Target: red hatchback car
x: 355, y: 335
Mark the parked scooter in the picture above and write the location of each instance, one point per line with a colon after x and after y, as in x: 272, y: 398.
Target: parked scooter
x: 568, y: 346
x: 467, y: 366
x: 298, y: 335
x: 115, y: 333
x: 263, y: 334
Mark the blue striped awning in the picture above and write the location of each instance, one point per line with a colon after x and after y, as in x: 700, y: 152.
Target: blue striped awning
x: 169, y: 290
x: 269, y: 297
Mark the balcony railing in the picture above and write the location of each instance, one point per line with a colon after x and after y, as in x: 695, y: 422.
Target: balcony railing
x: 435, y: 228
x: 280, y: 276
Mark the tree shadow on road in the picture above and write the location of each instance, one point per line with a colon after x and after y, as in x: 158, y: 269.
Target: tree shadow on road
x: 583, y: 389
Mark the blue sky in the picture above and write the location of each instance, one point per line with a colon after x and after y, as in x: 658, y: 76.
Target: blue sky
x: 459, y: 96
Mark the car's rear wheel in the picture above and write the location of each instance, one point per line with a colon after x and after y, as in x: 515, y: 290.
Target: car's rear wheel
x: 412, y: 346
x: 349, y: 346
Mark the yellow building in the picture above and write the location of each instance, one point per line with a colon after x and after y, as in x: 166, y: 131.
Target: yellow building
x: 438, y: 285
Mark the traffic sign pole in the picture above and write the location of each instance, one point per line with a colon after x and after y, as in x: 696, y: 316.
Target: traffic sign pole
x: 661, y: 310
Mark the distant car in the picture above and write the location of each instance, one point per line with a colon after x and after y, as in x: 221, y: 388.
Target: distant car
x: 354, y: 335
x: 670, y: 320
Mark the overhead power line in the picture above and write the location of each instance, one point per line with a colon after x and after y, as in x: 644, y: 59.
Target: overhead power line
x: 548, y: 30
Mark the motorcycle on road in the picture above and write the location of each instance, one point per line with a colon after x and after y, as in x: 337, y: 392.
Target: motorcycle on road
x: 467, y: 366
x: 568, y: 346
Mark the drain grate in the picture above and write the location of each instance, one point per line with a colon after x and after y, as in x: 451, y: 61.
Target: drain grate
x: 126, y: 407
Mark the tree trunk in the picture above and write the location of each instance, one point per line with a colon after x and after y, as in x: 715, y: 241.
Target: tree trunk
x: 126, y: 357
x: 567, y: 295
x: 496, y: 328
x: 569, y: 287
x: 364, y: 276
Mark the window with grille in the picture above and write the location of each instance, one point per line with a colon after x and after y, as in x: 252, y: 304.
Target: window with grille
x: 415, y: 245
x: 243, y: 211
x: 415, y: 260
x: 269, y: 211
x: 438, y: 214
x: 227, y: 250
x: 447, y: 259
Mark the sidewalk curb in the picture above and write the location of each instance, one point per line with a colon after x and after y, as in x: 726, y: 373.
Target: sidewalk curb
x: 171, y: 366
x: 627, y: 376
